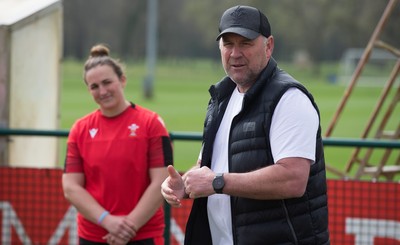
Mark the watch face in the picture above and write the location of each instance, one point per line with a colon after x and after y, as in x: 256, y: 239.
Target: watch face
x: 218, y: 183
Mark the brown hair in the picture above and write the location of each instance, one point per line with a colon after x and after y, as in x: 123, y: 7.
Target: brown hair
x: 100, y: 55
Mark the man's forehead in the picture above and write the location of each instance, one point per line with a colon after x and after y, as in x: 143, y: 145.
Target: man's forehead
x: 233, y: 36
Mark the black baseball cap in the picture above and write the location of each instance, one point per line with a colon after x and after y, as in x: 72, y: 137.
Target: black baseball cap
x: 246, y: 21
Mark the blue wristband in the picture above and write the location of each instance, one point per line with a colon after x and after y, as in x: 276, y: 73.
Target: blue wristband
x: 102, y: 216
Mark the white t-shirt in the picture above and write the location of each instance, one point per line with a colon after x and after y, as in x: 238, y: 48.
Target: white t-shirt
x: 293, y: 134
x: 218, y: 206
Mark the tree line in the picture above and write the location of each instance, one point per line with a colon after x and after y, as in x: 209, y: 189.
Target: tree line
x: 321, y: 29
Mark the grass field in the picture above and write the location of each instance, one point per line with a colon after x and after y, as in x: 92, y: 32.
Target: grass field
x: 181, y: 96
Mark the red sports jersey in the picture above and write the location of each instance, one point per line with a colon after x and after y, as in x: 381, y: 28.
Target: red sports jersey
x: 115, y: 154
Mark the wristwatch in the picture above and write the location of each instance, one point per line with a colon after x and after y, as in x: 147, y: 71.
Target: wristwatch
x: 218, y: 183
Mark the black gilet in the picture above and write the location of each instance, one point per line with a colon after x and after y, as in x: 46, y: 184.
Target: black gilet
x: 301, y: 220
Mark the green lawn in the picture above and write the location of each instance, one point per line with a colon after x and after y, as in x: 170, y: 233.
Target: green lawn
x: 181, y: 96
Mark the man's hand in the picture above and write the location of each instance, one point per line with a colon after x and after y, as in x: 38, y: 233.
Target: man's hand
x: 198, y: 182
x: 173, y: 189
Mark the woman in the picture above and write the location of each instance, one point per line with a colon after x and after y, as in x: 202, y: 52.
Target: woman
x: 116, y: 161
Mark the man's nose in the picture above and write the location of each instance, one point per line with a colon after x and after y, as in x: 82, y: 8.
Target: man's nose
x: 236, y: 51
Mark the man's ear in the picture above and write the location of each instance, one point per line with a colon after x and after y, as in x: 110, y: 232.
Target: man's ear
x: 270, y: 46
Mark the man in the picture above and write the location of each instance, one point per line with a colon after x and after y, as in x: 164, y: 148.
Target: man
x: 260, y: 177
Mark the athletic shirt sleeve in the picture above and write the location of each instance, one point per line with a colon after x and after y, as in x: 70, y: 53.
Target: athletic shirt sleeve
x: 73, y: 160
x: 160, y: 145
x: 294, y: 127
